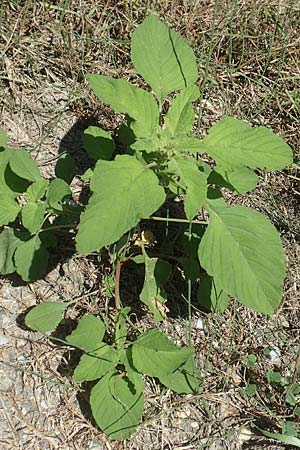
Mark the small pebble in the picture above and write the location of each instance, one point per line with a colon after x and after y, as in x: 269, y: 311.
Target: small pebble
x: 200, y: 324
x: 3, y: 340
x: 21, y: 358
x: 275, y: 356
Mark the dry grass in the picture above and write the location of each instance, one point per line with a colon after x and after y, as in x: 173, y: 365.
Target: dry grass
x: 248, y: 53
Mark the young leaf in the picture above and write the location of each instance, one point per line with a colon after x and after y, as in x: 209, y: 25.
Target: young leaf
x: 46, y: 316
x: 242, y: 250
x: 23, y: 166
x: 33, y: 216
x: 127, y: 98
x: 116, y: 405
x: 162, y: 57
x: 157, y: 272
x: 124, y: 191
x: 233, y: 143
x: 240, y: 180
x: 94, y: 366
x: 88, y: 334
x: 9, y: 209
x: 31, y: 259
x: 186, y: 379
x: 195, y: 183
x: 8, y: 245
x: 3, y: 139
x: 155, y: 355
x: 65, y: 168
x: 120, y: 327
x: 98, y: 143
x: 180, y: 116
x: 289, y: 440
x: 211, y: 296
x: 58, y: 189
x: 36, y: 190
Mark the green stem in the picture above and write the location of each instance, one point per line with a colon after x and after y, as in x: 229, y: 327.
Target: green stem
x: 168, y: 219
x: 190, y: 286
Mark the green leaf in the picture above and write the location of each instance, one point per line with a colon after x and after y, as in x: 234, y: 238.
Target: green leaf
x: 33, y: 216
x: 180, y: 116
x: 31, y: 259
x: 46, y: 316
x: 195, y: 183
x: 116, y: 405
x: 57, y: 191
x: 124, y: 191
x: 250, y: 390
x: 233, y: 143
x: 94, y: 366
x: 149, y: 145
x: 87, y: 175
x: 242, y: 250
x: 290, y: 440
x: 292, y: 391
x: 98, y: 143
x: 88, y: 334
x: 162, y: 57
x: 240, y: 180
x: 186, y: 379
x: 120, y: 327
x: 36, y: 190
x: 65, y: 168
x: 8, y: 244
x: 127, y: 98
x: 155, y: 355
x: 186, y: 144
x: 3, y: 138
x: 157, y: 272
x: 23, y: 166
x: 9, y: 209
x: 211, y: 296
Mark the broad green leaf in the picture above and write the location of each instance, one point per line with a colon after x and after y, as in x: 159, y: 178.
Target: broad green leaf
x: 117, y: 407
x: 195, y: 183
x: 127, y: 98
x: 57, y: 191
x: 211, y: 296
x: 120, y: 327
x: 242, y: 250
x: 65, y: 168
x: 240, y: 180
x: 23, y: 166
x: 124, y: 191
x: 148, y: 145
x: 162, y: 57
x: 33, y: 216
x: 87, y: 175
x: 186, y: 144
x: 36, y: 190
x: 13, y: 183
x: 94, y: 366
x: 8, y: 244
x: 98, y: 143
x: 46, y: 316
x: 186, y: 379
x: 3, y: 139
x: 233, y: 143
x: 157, y: 272
x: 31, y: 259
x: 88, y: 333
x: 289, y: 440
x: 155, y: 355
x: 9, y: 209
x: 180, y: 116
